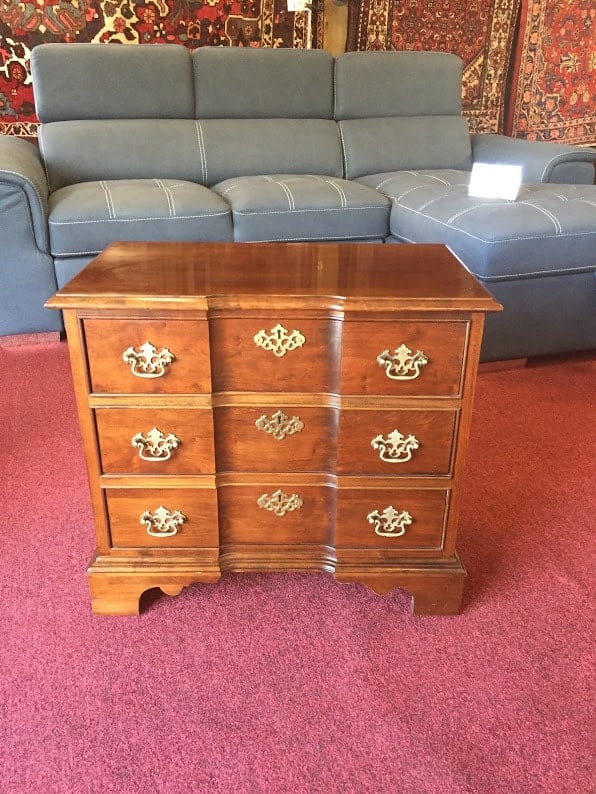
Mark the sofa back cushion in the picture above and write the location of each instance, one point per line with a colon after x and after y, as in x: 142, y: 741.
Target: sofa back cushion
x: 400, y: 110
x: 101, y: 81
x: 266, y: 111
x: 252, y: 147
x: 381, y: 145
x: 88, y: 151
x: 243, y: 83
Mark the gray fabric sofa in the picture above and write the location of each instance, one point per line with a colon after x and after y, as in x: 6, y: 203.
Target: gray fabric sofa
x: 153, y: 142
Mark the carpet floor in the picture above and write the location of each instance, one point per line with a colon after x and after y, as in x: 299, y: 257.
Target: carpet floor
x: 266, y: 684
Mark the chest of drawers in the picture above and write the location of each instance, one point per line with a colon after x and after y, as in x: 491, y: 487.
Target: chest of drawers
x: 266, y: 407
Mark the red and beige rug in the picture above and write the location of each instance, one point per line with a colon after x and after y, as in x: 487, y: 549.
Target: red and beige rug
x: 481, y: 33
x: 234, y: 23
x: 554, y: 89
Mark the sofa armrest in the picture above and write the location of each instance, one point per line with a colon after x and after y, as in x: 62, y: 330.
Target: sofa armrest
x: 22, y: 172
x: 541, y: 161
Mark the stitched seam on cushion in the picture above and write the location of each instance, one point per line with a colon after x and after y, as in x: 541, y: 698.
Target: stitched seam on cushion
x: 345, y: 156
x: 288, y: 193
x: 202, y: 152
x: 108, y: 199
x: 29, y: 219
x: 494, y: 242
x: 230, y: 187
x: 322, y: 237
x: 470, y: 209
x: 342, y: 195
x: 169, y: 197
x: 75, y: 253
x: 392, y: 178
x: 554, y: 159
x: 409, y: 190
x: 289, y: 212
x: 25, y: 179
x: 137, y: 220
x: 437, y: 179
x: 548, y: 214
x: 531, y: 273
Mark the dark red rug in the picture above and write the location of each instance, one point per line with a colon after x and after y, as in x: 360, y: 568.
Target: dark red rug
x: 481, y: 33
x: 266, y: 684
x: 554, y: 88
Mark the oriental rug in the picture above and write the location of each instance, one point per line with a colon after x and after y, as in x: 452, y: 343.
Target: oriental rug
x: 554, y: 96
x: 481, y: 33
x: 193, y: 23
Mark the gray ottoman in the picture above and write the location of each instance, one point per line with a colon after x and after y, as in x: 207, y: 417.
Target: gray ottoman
x: 537, y: 254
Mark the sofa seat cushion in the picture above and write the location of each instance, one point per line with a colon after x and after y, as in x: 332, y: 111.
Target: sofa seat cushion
x: 85, y: 217
x: 549, y: 229
x: 303, y: 208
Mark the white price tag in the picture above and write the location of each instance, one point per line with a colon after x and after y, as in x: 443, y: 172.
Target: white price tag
x: 492, y: 180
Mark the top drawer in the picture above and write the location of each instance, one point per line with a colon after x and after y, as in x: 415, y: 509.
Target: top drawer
x: 403, y: 358
x: 138, y: 356
x: 276, y: 354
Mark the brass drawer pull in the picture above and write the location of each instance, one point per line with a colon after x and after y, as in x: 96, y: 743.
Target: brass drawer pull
x: 148, y: 363
x: 396, y: 448
x: 403, y: 364
x: 155, y: 446
x: 279, y: 340
x: 162, y: 523
x: 391, y: 523
x: 279, y: 425
x: 280, y: 502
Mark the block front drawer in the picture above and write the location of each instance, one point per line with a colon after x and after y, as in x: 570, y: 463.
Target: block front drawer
x: 391, y: 519
x: 148, y: 356
x: 163, y: 518
x: 287, y: 438
x: 155, y: 441
x: 403, y: 358
x: 396, y: 442
x: 276, y: 514
x: 278, y: 354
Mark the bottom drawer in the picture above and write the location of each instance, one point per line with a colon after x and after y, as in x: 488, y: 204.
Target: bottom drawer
x: 163, y: 518
x: 276, y: 514
x: 399, y: 520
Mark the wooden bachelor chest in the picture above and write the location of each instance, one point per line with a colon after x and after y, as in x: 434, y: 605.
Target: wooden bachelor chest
x: 266, y: 407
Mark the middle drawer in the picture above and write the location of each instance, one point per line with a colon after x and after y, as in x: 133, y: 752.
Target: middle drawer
x: 276, y: 438
x: 156, y: 440
x: 420, y: 442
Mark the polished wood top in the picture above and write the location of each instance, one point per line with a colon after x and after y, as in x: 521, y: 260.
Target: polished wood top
x: 178, y: 275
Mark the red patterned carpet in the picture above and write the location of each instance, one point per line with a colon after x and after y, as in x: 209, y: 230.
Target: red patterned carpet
x: 480, y: 32
x: 293, y: 683
x: 234, y: 23
x: 555, y: 80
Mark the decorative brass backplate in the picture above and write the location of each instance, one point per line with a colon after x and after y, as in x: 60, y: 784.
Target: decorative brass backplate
x: 396, y: 448
x: 147, y: 362
x: 280, y: 502
x: 391, y: 523
x: 279, y: 425
x: 162, y: 523
x: 155, y: 446
x: 279, y: 340
x: 403, y: 364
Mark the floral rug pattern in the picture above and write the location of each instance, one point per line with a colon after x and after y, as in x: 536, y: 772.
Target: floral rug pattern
x: 555, y: 81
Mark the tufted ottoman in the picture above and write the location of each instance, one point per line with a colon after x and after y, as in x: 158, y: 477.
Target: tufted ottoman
x: 537, y: 254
